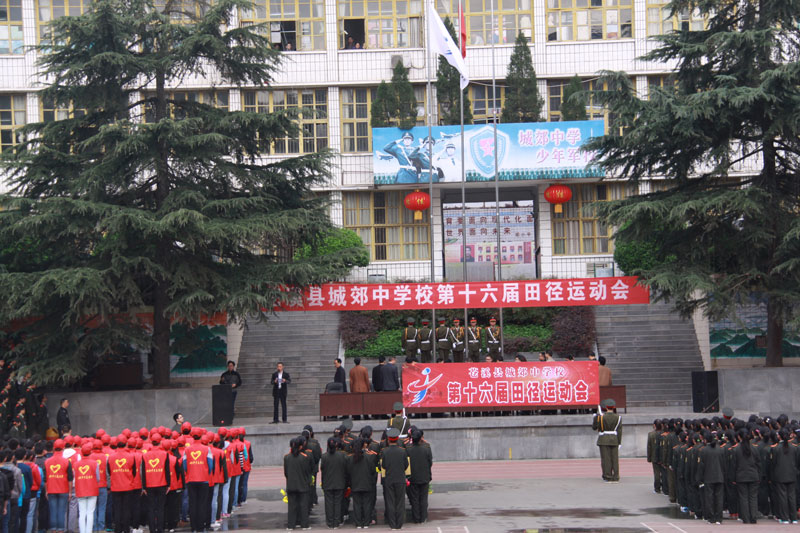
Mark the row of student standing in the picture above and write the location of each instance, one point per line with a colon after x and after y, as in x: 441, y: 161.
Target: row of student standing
x: 350, y: 470
x: 155, y: 477
x: 749, y: 468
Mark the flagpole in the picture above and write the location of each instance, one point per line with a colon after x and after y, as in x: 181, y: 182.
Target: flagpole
x: 496, y: 174
x: 429, y: 93
x: 463, y: 168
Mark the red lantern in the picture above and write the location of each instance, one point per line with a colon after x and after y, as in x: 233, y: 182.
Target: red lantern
x: 418, y: 202
x: 557, y: 195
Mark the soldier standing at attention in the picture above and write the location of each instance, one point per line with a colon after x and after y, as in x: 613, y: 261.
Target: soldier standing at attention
x: 493, y: 339
x: 652, y: 454
x: 399, y: 421
x: 394, y: 462
x: 443, y: 344
x: 410, y: 339
x: 473, y: 340
x: 458, y: 341
x: 425, y: 341
x: 609, y: 438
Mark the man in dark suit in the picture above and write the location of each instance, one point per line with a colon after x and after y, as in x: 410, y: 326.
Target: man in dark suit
x: 62, y: 417
x: 280, y: 383
x: 391, y: 380
x: 377, y: 374
x: 339, y: 376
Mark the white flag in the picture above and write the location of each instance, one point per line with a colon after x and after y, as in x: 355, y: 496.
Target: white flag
x: 443, y: 44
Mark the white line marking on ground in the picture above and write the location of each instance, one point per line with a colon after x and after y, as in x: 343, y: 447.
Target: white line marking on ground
x: 648, y: 527
x: 676, y: 527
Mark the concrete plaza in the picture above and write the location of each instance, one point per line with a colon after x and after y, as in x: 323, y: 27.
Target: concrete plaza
x: 565, y: 496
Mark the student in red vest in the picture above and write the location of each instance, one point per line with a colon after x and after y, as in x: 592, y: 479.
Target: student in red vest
x: 87, y: 475
x: 234, y: 452
x: 176, y: 486
x: 155, y: 482
x: 135, y: 450
x: 57, y: 476
x: 101, y: 458
x: 247, y: 464
x: 219, y: 478
x: 121, y: 471
x: 206, y: 440
x: 198, y: 464
x: 36, y: 484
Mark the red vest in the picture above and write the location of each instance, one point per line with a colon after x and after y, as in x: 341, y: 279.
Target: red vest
x: 155, y: 467
x: 174, y: 478
x: 85, y: 472
x: 102, y: 462
x: 121, y: 465
x: 197, y: 463
x: 233, y: 450
x: 219, y: 457
x: 55, y: 474
x: 37, y: 477
x: 247, y: 462
x: 136, y: 483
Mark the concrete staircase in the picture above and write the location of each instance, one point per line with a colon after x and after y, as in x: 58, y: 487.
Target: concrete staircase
x: 307, y: 343
x: 651, y: 350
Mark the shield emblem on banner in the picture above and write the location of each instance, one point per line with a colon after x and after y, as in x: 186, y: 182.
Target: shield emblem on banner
x: 481, y: 149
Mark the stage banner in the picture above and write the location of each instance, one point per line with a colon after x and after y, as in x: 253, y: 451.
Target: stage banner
x: 501, y: 384
x: 525, y: 151
x: 535, y: 293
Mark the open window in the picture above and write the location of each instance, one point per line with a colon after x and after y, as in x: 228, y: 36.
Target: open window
x: 353, y: 33
x: 283, y: 35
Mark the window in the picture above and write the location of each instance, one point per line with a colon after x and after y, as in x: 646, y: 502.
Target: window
x: 299, y: 23
x: 218, y: 99
x: 589, y: 20
x: 660, y: 82
x: 313, y: 121
x: 510, y: 17
x: 387, y: 228
x: 483, y: 103
x: 660, y: 22
x: 51, y: 112
x: 12, y: 116
x: 594, y: 110
x: 11, y: 27
x: 355, y: 119
x: 380, y: 23
x: 183, y: 11
x: 576, y: 230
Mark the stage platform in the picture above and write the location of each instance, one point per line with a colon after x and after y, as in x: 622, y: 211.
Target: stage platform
x: 479, y: 438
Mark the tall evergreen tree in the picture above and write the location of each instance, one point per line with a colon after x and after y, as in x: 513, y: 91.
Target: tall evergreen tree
x: 406, y: 112
x: 720, y: 238
x: 111, y: 214
x: 448, y: 83
x: 382, y: 109
x: 573, y: 103
x: 523, y: 102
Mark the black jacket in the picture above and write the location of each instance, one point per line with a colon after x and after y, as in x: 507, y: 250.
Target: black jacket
x: 286, y: 381
x: 334, y: 471
x: 377, y: 378
x: 297, y: 470
x: 711, y: 468
x: 362, y: 474
x: 390, y: 379
x: 746, y: 468
x: 421, y: 459
x: 340, y: 377
x: 62, y: 418
x: 231, y: 377
x: 394, y: 461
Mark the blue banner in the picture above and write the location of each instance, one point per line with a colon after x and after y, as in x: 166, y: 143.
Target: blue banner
x: 525, y: 151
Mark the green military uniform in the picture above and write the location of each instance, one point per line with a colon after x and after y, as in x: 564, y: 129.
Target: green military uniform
x: 399, y: 421
x: 425, y: 342
x: 652, y: 455
x: 410, y: 339
x: 609, y: 438
x: 457, y: 334
x: 394, y: 462
x: 316, y: 453
x: 473, y: 340
x: 334, y: 480
x: 443, y: 341
x: 493, y: 335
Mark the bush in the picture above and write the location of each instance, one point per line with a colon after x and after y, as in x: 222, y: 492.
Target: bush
x: 336, y: 242
x: 574, y: 331
x: 634, y: 257
x: 356, y: 329
x: 386, y: 342
x: 513, y: 345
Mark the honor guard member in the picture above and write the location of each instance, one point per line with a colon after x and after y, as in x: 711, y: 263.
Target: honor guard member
x: 394, y: 462
x: 425, y: 341
x: 493, y: 339
x: 410, y: 338
x: 609, y: 438
x: 399, y: 421
x: 443, y: 341
x: 457, y: 334
x: 474, y: 340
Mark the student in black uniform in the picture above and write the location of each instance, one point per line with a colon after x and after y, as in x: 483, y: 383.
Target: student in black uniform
x: 746, y: 475
x: 316, y: 454
x: 334, y: 472
x: 363, y: 478
x: 394, y: 462
x: 711, y: 476
x: 297, y: 470
x: 421, y: 460
x: 784, y: 463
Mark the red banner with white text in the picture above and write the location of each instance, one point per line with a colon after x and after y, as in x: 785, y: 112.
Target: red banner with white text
x: 501, y: 384
x: 534, y: 293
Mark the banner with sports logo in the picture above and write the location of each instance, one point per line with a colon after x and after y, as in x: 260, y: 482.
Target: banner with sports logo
x: 511, y: 385
x: 525, y: 151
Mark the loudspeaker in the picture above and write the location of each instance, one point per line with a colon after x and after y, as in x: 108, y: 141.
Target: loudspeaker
x: 221, y: 405
x: 705, y: 392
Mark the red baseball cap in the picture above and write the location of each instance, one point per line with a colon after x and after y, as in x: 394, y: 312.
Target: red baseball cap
x: 222, y: 431
x: 58, y: 444
x: 186, y: 427
x: 86, y: 449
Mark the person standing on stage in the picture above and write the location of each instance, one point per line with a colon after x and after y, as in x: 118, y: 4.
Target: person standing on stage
x: 493, y: 336
x: 280, y: 383
x: 377, y: 374
x: 421, y: 461
x: 425, y: 341
x: 232, y: 378
x: 609, y: 438
x: 457, y: 336
x: 473, y: 340
x: 444, y: 343
x: 410, y: 338
x: 339, y: 376
x: 393, y: 463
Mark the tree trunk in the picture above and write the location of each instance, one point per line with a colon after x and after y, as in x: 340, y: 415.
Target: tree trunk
x: 774, y: 334
x: 161, y: 331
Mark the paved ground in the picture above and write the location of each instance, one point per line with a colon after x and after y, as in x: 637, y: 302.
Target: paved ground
x: 565, y: 496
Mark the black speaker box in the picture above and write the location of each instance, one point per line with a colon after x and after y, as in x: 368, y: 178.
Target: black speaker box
x: 221, y: 405
x: 705, y: 392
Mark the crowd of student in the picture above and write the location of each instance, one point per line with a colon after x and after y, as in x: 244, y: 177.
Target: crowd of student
x: 99, y: 482
x: 351, y: 467
x: 749, y: 468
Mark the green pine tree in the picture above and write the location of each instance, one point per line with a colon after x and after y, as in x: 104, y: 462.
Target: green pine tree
x: 720, y: 239
x: 406, y: 112
x: 573, y: 104
x: 383, y: 106
x: 174, y: 214
x: 523, y: 102
x: 448, y: 83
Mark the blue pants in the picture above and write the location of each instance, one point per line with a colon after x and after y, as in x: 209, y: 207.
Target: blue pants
x: 226, y: 496
x: 243, y: 486
x: 31, y: 515
x: 214, y: 500
x: 58, y: 511
x: 185, y: 506
x: 235, y: 491
x: 100, y: 510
